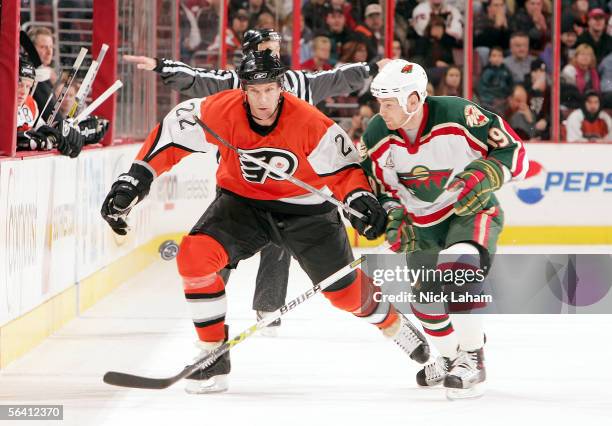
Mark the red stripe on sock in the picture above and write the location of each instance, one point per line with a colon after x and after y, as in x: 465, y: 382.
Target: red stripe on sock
x: 439, y: 333
x: 426, y: 317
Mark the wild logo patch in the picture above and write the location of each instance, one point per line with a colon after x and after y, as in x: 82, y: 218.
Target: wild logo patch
x: 424, y: 183
x: 281, y: 159
x: 407, y: 69
x: 474, y: 117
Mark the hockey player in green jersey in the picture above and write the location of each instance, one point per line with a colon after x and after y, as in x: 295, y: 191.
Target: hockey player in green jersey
x: 435, y: 163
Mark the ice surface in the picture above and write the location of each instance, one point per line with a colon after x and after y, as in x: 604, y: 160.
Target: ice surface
x: 325, y: 368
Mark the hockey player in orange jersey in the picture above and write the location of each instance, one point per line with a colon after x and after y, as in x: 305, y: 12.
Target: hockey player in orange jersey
x: 256, y: 207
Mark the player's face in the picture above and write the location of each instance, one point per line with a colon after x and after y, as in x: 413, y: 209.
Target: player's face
x: 392, y: 112
x: 263, y: 99
x: 68, y: 100
x: 23, y: 89
x: 273, y: 45
x: 44, y: 47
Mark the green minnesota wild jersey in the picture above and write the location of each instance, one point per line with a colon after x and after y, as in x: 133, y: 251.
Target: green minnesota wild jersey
x: 453, y: 133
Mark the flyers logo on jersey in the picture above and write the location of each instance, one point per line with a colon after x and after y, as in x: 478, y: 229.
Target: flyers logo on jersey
x: 474, y: 117
x: 285, y: 161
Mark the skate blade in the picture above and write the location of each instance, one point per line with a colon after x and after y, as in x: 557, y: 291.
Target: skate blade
x: 216, y: 384
x: 269, y: 331
x: 475, y: 391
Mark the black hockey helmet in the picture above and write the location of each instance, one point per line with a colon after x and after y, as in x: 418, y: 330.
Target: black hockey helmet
x: 26, y: 69
x: 261, y: 67
x: 252, y: 39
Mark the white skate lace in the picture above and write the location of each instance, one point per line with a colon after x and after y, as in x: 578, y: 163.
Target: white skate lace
x: 410, y: 340
x: 465, y: 365
x: 436, y: 370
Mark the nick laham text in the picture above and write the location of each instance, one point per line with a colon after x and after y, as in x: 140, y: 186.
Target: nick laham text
x: 432, y: 297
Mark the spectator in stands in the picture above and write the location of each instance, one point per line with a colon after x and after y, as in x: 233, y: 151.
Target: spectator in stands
x: 521, y: 118
x: 312, y: 11
x: 596, y: 35
x: 450, y: 84
x: 519, y: 61
x: 605, y: 71
x: 347, y: 10
x: 430, y: 89
x: 581, y: 72
x: 321, y: 49
x: 371, y: 31
x: 397, y: 49
x: 338, y: 33
x: 287, y: 40
x: 191, y: 38
x: 239, y: 23
x: 254, y: 9
x: 359, y: 122
x: 568, y: 44
x: 589, y: 123
x: 208, y: 22
x: 495, y: 83
x: 353, y: 51
x: 435, y: 48
x: 533, y: 21
x: 577, y: 18
x: 491, y: 27
x: 265, y: 20
x: 450, y: 14
x: 538, y: 92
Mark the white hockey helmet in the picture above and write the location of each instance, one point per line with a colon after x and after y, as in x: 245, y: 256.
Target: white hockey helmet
x: 398, y: 79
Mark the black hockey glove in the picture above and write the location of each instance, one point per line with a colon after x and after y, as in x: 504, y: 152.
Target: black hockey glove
x: 129, y: 189
x: 376, y: 218
x: 93, y: 129
x: 31, y: 140
x: 65, y: 137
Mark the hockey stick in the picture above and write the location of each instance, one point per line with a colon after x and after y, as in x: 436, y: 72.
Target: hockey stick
x: 99, y: 100
x: 282, y: 174
x: 83, y: 91
x: 69, y: 80
x: 141, y: 382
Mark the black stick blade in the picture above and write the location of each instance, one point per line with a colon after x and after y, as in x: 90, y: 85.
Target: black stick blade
x: 131, y: 381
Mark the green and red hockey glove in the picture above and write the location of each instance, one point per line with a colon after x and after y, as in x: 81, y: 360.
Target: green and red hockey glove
x: 477, y: 182
x: 400, y: 233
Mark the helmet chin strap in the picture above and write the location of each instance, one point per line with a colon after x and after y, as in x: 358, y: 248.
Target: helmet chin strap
x: 409, y: 116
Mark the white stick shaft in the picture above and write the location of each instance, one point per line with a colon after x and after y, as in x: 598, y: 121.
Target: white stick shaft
x: 85, y: 88
x: 95, y: 104
x: 70, y: 80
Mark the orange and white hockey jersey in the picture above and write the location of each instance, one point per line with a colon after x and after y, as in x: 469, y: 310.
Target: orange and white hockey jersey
x: 304, y: 143
x: 26, y: 114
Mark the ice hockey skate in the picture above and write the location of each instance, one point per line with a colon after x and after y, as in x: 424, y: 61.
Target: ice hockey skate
x: 467, y: 375
x: 434, y: 373
x: 407, y: 337
x: 213, y: 379
x: 273, y: 328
